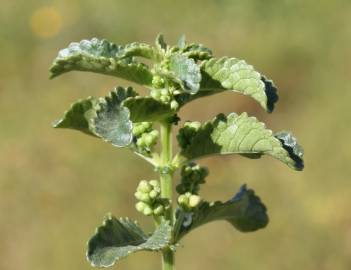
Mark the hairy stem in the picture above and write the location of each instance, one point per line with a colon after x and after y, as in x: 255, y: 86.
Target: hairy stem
x: 166, y: 175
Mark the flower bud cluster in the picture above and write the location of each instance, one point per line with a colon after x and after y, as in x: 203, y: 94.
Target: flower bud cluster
x: 145, y: 136
x: 148, y: 195
x: 158, y: 82
x: 187, y: 132
x: 192, y: 176
x: 189, y: 201
x: 165, y: 96
x: 162, y: 93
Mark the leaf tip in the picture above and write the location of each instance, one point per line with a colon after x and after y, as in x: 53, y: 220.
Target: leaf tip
x: 271, y: 93
x: 295, y: 151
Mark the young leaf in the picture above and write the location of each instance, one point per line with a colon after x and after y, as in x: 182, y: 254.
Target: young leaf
x: 79, y: 116
x: 235, y: 134
x: 112, y: 122
x: 160, y: 43
x: 138, y: 49
x: 197, y: 52
x: 118, y: 238
x: 147, y: 109
x: 290, y: 144
x: 101, y: 56
x: 244, y: 211
x: 187, y: 71
x: 234, y: 74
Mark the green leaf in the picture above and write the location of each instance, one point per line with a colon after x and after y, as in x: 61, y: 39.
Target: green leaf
x: 290, y: 144
x: 79, y: 116
x: 235, y: 134
x: 147, y: 109
x: 187, y: 71
x: 112, y: 122
x: 160, y: 43
x: 234, y: 74
x: 118, y: 238
x: 101, y: 56
x: 138, y: 49
x: 244, y: 211
x: 197, y: 52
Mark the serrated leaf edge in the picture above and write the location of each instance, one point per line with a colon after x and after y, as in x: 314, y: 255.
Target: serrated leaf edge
x: 108, y: 217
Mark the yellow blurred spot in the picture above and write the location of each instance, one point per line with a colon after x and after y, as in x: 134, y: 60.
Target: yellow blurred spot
x: 46, y: 22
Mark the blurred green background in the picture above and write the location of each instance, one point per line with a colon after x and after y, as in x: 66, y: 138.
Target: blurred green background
x: 56, y: 185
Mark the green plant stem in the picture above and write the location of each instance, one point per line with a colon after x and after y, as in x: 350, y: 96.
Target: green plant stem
x: 166, y: 175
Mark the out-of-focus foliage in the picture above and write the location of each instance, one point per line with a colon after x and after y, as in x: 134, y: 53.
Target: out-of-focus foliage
x: 55, y: 186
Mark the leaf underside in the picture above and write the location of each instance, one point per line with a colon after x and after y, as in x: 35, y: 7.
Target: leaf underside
x: 147, y: 109
x: 101, y: 56
x: 118, y: 238
x: 244, y: 211
x: 112, y: 122
x: 197, y: 52
x: 233, y: 74
x: 187, y: 71
x: 79, y: 116
x: 240, y: 134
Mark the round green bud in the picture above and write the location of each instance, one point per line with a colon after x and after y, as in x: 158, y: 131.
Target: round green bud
x: 194, y: 201
x: 136, y: 130
x: 164, y: 92
x: 154, y: 183
x: 144, y: 126
x: 195, y: 125
x: 140, y: 206
x: 154, y: 133
x: 140, y: 142
x: 187, y: 170
x: 165, y: 99
x: 145, y: 198
x: 147, y: 211
x: 155, y: 93
x: 158, y: 81
x: 183, y: 200
x: 153, y: 194
x: 158, y: 210
x: 174, y: 105
x: 149, y: 139
x: 144, y: 186
x: 138, y: 195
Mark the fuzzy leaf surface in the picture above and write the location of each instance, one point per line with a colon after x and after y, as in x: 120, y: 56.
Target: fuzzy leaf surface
x: 138, y: 49
x: 79, y: 116
x: 161, y: 43
x: 101, y: 56
x: 187, y: 71
x: 240, y: 134
x: 197, y: 52
x: 236, y: 75
x: 147, y: 109
x: 112, y: 122
x: 118, y: 238
x: 244, y: 211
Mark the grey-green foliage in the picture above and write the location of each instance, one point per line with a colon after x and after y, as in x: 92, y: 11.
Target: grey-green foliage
x: 187, y: 71
x: 237, y: 134
x: 244, y: 211
x: 174, y: 76
x: 117, y: 238
x: 101, y: 56
x: 112, y: 122
x: 80, y: 116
